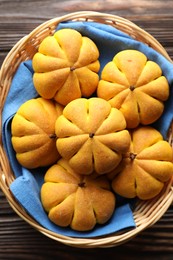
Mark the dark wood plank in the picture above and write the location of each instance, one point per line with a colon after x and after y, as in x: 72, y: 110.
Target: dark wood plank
x: 18, y: 240
x: 40, y: 10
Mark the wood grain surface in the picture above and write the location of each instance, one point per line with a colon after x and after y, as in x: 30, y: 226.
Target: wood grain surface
x: 18, y: 240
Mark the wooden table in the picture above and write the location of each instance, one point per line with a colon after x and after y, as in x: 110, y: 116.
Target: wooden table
x: 18, y: 240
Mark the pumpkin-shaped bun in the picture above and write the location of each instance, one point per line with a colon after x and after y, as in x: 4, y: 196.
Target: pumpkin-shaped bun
x: 66, y: 66
x: 91, y: 135
x: 75, y: 200
x: 33, y: 133
x: 145, y: 167
x: 134, y: 85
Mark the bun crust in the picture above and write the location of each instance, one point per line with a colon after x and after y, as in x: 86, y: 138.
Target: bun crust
x: 91, y: 135
x: 75, y: 200
x: 66, y: 66
x: 33, y: 133
x: 134, y: 85
x: 145, y: 167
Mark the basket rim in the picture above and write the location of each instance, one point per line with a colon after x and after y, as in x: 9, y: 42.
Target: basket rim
x: 5, y: 170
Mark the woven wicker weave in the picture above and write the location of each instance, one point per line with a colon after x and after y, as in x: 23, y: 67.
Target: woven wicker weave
x: 145, y: 213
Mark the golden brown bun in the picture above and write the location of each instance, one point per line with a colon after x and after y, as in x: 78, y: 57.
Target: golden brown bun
x: 76, y: 200
x: 66, y: 66
x: 91, y: 135
x: 146, y: 167
x: 135, y: 86
x: 33, y: 132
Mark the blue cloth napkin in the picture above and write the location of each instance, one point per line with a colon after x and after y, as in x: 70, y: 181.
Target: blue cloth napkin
x: 26, y: 187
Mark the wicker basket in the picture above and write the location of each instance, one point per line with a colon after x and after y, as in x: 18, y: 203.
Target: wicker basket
x: 145, y: 213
